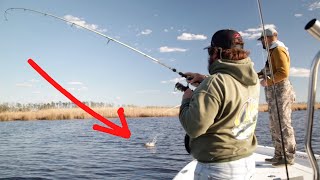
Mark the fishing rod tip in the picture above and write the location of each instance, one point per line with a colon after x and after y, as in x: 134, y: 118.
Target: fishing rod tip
x: 5, y: 17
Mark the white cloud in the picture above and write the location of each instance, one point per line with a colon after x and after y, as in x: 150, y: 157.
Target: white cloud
x: 255, y: 33
x: 70, y: 89
x: 190, y: 37
x: 75, y: 83
x: 83, y: 88
x: 81, y: 22
x: 175, y: 80
x: 171, y: 49
x: 24, y: 84
x: 146, y: 32
x: 249, y: 35
x: 166, y: 30
x: 34, y: 80
x: 298, y: 15
x: 299, y: 72
x: 313, y: 6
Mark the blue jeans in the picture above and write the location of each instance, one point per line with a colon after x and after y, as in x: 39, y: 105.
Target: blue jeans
x: 242, y: 169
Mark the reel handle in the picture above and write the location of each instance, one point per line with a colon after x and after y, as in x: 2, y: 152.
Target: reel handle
x: 185, y: 76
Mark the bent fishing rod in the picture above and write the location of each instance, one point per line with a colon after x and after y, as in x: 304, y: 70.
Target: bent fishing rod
x: 178, y: 86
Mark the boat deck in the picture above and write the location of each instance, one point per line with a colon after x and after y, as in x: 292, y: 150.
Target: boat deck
x: 300, y: 170
x: 265, y: 171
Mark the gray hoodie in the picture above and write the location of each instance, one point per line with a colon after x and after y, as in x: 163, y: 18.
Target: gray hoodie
x: 221, y: 116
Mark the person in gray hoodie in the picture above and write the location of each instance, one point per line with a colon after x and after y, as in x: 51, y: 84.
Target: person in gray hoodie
x: 220, y: 115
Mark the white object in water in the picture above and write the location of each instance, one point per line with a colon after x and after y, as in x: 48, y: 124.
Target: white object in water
x: 265, y: 171
x: 151, y: 143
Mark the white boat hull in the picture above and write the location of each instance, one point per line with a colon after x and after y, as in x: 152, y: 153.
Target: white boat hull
x: 264, y: 171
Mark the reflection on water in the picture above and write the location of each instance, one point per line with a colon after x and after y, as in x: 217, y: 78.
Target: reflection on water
x: 72, y: 150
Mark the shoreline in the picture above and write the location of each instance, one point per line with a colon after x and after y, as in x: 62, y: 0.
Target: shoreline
x: 109, y: 112
x: 78, y: 113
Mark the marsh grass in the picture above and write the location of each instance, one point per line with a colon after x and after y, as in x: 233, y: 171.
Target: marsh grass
x: 295, y: 107
x: 77, y: 113
x: 110, y: 112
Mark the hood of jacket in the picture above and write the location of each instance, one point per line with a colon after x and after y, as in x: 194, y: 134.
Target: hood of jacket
x: 280, y: 44
x: 241, y: 70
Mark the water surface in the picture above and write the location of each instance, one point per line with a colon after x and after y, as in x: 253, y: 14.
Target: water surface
x: 70, y: 149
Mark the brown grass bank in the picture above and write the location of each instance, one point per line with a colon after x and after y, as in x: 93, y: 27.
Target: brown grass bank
x: 77, y: 113
x: 109, y: 112
x: 295, y: 107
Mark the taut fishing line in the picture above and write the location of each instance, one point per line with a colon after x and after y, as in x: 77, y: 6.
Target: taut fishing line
x: 178, y: 85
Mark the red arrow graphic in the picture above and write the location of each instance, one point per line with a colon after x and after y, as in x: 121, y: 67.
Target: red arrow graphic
x: 114, y: 129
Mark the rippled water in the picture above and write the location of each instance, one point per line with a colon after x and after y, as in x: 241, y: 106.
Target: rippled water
x: 70, y: 149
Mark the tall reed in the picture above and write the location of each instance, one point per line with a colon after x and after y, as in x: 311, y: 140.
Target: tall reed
x: 77, y: 113
x: 109, y: 112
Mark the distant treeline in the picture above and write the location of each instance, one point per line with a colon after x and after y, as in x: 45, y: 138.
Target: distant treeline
x: 295, y: 107
x: 68, y: 110
x: 19, y: 107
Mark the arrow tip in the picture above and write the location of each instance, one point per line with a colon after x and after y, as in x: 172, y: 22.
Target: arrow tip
x: 126, y: 133
x: 120, y: 110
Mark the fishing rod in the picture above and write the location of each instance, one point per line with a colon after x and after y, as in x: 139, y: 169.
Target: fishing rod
x: 273, y: 86
x: 178, y: 86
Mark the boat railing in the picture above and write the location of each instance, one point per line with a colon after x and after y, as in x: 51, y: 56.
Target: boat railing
x: 313, y: 27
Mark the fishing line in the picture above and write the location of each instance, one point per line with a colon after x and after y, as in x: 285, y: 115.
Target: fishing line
x: 99, y: 33
x: 178, y: 85
x: 273, y: 86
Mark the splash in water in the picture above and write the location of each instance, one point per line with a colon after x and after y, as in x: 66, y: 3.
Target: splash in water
x: 151, y: 143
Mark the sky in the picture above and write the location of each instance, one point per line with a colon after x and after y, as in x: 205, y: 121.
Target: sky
x: 173, y: 32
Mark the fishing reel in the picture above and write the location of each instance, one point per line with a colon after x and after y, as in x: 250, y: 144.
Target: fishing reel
x: 181, y: 87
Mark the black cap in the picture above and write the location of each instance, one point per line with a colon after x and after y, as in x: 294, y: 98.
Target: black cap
x: 227, y: 39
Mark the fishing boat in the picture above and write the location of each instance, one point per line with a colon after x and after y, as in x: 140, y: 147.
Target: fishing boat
x: 306, y: 165
x: 264, y: 170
